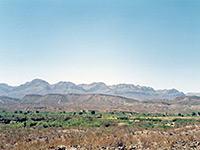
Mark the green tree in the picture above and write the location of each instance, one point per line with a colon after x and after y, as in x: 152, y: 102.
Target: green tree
x: 92, y: 112
x: 194, y: 114
x: 179, y: 114
x: 80, y: 113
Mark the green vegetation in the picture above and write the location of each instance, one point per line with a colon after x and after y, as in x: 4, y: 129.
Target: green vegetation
x: 97, y: 130
x: 194, y: 114
x: 94, y: 119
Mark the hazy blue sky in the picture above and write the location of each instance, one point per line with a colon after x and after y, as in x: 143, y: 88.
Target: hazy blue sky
x: 147, y: 42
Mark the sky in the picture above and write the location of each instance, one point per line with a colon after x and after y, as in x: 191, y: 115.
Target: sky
x: 143, y: 42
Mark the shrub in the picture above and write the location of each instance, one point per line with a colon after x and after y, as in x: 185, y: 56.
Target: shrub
x: 80, y: 113
x: 83, y: 111
x: 67, y: 118
x: 123, y: 118
x: 194, y: 114
x: 92, y: 112
x: 31, y: 123
x: 99, y: 116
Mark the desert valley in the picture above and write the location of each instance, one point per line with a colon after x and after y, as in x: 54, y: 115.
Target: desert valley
x: 97, y: 116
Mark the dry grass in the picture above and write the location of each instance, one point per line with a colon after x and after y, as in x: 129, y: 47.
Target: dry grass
x: 99, y: 138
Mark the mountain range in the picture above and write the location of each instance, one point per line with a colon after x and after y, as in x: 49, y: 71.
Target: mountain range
x: 41, y: 87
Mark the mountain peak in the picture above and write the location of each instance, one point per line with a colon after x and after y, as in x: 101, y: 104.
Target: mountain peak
x: 97, y: 83
x: 39, y: 81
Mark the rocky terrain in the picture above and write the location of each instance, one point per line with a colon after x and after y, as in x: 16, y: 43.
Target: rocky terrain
x: 42, y: 87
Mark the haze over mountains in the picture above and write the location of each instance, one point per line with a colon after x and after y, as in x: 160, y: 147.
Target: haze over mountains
x: 193, y: 94
x: 41, y: 87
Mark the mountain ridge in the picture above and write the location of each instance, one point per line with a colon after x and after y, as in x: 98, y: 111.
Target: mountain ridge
x: 42, y: 87
x: 100, y: 102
